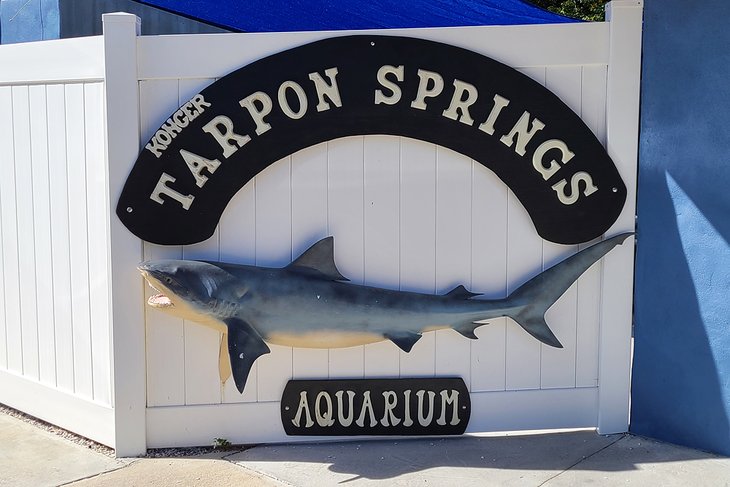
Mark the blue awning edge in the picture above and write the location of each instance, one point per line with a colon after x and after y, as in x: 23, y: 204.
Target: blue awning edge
x: 311, y: 15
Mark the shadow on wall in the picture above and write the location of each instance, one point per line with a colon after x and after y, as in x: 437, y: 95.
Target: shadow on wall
x: 682, y: 338
x: 681, y: 377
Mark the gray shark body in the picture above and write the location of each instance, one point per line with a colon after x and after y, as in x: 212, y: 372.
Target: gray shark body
x: 308, y: 304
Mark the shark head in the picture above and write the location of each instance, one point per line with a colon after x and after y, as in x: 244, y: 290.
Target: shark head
x: 191, y: 289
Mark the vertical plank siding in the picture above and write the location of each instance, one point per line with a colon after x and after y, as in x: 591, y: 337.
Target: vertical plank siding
x: 273, y: 249
x: 453, y: 253
x: 309, y: 224
x: 25, y: 235
x: 97, y: 241
x: 381, y: 230
x: 60, y: 248
x: 489, y: 276
x: 53, y: 229
x: 10, y: 257
x: 524, y: 259
x: 558, y: 365
x: 593, y: 113
x: 165, y: 372
x: 417, y: 242
x: 42, y: 232
x: 345, y: 203
x: 78, y: 243
x: 6, y: 156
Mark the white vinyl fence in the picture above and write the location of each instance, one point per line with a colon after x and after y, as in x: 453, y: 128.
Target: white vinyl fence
x: 405, y: 214
x: 55, y: 321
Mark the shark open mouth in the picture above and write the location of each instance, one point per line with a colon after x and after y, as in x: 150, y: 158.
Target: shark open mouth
x: 160, y: 301
x: 157, y: 300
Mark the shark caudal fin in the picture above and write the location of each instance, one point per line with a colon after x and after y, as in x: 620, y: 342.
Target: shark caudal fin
x: 531, y: 300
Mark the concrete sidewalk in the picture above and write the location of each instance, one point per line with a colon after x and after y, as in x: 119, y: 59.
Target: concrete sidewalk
x: 30, y: 456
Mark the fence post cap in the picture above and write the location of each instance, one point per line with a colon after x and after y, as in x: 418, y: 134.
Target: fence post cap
x: 120, y: 17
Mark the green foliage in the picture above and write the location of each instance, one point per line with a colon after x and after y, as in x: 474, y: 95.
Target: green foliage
x: 592, y: 10
x: 221, y: 444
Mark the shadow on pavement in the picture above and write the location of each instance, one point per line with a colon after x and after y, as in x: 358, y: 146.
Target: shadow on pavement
x: 377, y: 460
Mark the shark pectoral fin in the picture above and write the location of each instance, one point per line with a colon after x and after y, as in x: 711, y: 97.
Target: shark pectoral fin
x: 245, y: 345
x: 224, y: 362
x: 403, y: 339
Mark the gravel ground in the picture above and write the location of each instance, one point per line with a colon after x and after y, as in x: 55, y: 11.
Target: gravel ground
x: 79, y: 440
x: 105, y: 450
x: 192, y: 451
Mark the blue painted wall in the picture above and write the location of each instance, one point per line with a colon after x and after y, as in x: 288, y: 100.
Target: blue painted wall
x: 681, y: 377
x: 35, y: 20
x: 28, y: 20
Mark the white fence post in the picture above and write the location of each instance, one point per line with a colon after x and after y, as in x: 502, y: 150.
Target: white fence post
x: 622, y: 119
x: 128, y: 334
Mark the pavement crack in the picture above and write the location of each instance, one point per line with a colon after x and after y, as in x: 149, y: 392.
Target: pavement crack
x: 621, y: 437
x: 123, y: 465
x: 258, y: 473
x: 227, y: 456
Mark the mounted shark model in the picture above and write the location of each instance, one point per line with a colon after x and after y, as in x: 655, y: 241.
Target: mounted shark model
x: 306, y: 304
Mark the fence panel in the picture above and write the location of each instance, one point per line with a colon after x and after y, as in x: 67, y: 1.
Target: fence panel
x: 55, y: 355
x: 406, y: 215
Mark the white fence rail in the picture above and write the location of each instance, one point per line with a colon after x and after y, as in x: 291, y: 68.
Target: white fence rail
x: 405, y: 214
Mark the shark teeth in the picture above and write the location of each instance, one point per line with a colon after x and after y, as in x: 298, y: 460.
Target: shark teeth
x: 159, y: 301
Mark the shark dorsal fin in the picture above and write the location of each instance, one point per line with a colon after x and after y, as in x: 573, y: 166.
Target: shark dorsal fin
x: 319, y: 259
x: 460, y: 292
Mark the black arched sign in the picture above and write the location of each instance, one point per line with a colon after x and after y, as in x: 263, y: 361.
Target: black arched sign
x: 368, y: 84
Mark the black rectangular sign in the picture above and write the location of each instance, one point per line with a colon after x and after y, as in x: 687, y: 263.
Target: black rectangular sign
x: 402, y: 407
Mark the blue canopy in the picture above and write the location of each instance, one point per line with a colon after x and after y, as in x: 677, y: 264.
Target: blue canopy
x: 305, y: 15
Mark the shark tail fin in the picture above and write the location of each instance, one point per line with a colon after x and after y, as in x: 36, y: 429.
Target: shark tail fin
x: 527, y: 305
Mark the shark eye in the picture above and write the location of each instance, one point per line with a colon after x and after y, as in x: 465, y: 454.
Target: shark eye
x: 168, y: 280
